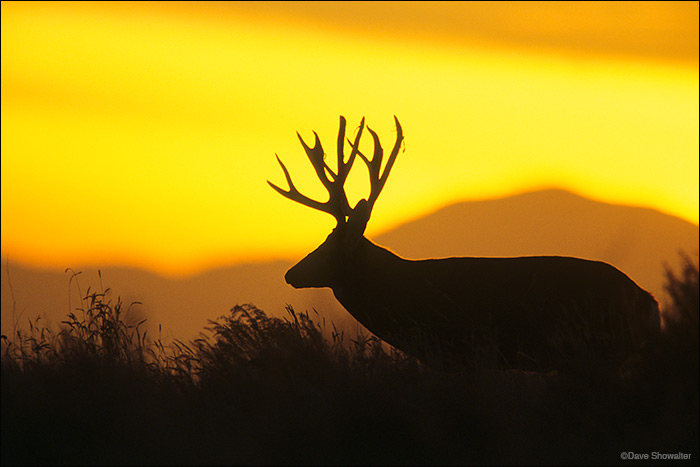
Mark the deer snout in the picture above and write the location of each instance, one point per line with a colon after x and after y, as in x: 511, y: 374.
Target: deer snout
x: 291, y: 278
x: 312, y: 271
x: 299, y: 278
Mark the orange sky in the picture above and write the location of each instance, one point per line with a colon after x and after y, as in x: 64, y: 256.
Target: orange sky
x: 143, y: 134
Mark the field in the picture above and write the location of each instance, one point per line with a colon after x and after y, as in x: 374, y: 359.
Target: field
x: 261, y: 390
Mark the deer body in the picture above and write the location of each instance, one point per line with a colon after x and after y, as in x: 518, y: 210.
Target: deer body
x: 537, y: 313
x: 527, y: 310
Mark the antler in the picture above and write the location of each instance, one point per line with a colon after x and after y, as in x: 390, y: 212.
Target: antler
x: 374, y: 166
x: 337, y: 204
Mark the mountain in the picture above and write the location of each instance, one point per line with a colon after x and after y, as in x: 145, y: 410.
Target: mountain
x: 638, y: 241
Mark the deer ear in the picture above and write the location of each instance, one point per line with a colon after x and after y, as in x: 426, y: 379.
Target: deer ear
x: 357, y: 220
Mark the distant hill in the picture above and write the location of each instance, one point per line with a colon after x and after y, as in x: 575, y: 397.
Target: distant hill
x: 636, y: 240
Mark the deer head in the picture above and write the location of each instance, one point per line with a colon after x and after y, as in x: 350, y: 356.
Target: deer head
x: 321, y: 267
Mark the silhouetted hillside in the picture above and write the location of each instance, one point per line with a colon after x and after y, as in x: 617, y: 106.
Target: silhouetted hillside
x: 554, y: 222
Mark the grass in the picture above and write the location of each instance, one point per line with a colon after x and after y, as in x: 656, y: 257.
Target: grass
x: 255, y: 389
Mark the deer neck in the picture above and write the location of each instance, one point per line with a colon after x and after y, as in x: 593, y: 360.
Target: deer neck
x: 362, y: 271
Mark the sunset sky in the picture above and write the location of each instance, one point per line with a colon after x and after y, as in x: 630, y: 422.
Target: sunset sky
x: 143, y: 134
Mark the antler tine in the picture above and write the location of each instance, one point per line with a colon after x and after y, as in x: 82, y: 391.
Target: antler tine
x: 337, y: 199
x: 315, y: 155
x: 344, y: 167
x: 337, y: 204
x: 394, y: 153
x: 341, y: 145
x: 374, y: 166
x: 295, y: 195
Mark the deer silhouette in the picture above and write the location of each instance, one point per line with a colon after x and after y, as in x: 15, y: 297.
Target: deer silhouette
x: 539, y: 313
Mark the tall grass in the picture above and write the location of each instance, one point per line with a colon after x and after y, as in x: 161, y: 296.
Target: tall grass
x: 256, y: 389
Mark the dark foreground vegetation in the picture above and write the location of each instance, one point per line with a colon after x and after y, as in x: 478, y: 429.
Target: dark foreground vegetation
x: 263, y: 390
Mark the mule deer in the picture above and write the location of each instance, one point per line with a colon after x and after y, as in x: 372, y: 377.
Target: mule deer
x: 539, y: 313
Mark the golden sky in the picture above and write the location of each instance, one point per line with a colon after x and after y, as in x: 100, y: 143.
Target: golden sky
x: 142, y: 134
